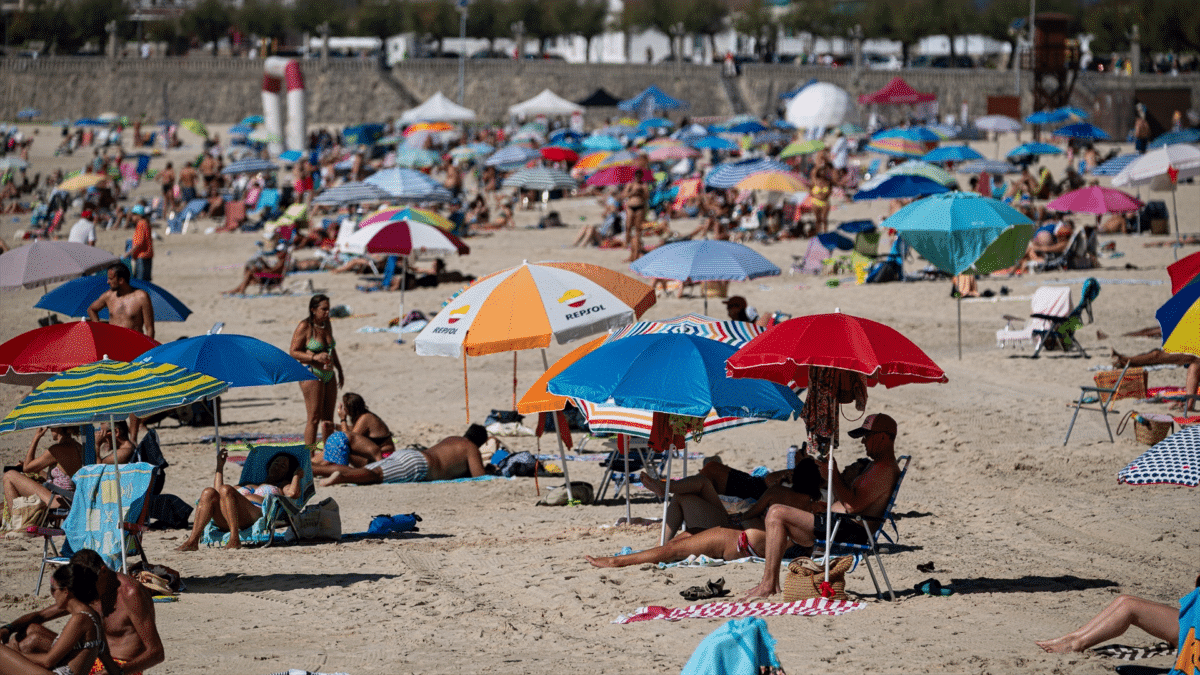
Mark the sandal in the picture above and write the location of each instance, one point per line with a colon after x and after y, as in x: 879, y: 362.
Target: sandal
x: 713, y: 589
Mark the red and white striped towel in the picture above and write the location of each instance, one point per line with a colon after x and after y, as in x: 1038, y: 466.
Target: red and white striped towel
x: 733, y: 610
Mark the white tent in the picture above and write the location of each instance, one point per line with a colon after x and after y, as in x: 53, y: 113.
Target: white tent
x: 818, y: 105
x: 545, y: 103
x: 437, y: 109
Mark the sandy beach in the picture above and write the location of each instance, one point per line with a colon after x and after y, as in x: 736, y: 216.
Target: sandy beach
x: 1035, y: 537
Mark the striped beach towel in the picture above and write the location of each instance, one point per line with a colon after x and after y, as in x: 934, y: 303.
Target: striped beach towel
x: 1127, y: 653
x: 733, y: 610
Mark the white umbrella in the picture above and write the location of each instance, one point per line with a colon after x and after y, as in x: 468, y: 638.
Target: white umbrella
x: 819, y: 105
x: 1152, y: 167
x: 998, y: 123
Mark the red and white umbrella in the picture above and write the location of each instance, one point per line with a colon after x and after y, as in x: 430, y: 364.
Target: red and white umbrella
x: 405, y: 237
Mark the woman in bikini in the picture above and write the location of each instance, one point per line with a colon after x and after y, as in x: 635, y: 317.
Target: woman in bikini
x: 819, y: 197
x: 362, y: 438
x: 313, y: 345
x: 233, y: 508
x: 62, y: 459
x: 636, y: 198
x: 80, y: 644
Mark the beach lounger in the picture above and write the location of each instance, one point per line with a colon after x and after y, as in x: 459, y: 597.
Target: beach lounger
x: 640, y: 456
x: 90, y: 522
x: 1103, y: 405
x: 183, y: 217
x: 277, y: 512
x: 1048, y: 301
x: 1060, y: 334
x: 874, y: 528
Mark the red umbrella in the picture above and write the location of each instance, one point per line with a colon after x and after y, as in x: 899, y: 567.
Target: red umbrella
x: 784, y: 353
x: 556, y: 153
x: 1095, y: 199
x: 1183, y: 271
x: 30, y: 358
x: 619, y: 175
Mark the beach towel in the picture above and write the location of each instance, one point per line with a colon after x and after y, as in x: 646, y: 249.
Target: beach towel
x: 738, y: 646
x: 1127, y: 653
x: 1187, y: 661
x: 728, y: 610
x: 95, y: 527
x: 705, y: 561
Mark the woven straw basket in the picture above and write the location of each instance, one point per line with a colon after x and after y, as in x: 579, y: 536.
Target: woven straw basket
x: 804, y: 577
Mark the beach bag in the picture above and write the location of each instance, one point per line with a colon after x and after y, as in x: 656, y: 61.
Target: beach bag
x: 805, y: 579
x: 1147, y: 429
x: 321, y: 521
x: 401, y: 522
x: 26, y: 512
x: 503, y: 417
x: 1133, y: 385
x: 557, y: 496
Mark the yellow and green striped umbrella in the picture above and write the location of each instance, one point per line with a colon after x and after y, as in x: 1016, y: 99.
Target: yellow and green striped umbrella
x: 106, y: 389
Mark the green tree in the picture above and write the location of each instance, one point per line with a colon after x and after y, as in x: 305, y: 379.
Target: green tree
x: 587, y: 19
x: 263, y: 18
x: 488, y: 19
x: 950, y: 18
x: 900, y: 20
x: 89, y: 19
x: 379, y: 18
x: 997, y: 22
x: 707, y: 18
x: 433, y: 19
x: 755, y: 20
x: 660, y: 15
x: 308, y: 15
x: 208, y: 21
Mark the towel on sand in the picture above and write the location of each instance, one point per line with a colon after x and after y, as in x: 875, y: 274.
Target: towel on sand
x: 730, y: 610
x: 738, y: 646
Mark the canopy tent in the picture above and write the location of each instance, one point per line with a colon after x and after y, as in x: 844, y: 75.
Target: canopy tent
x: 545, y: 103
x: 897, y: 92
x: 600, y: 98
x: 651, y: 99
x: 818, y: 105
x: 437, y: 108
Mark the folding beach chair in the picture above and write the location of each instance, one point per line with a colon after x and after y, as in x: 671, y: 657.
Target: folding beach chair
x: 91, y: 523
x: 1103, y: 403
x: 183, y: 217
x: 1048, y: 301
x: 874, y: 529
x: 277, y: 511
x: 1060, y: 334
x: 640, y: 457
x: 235, y: 214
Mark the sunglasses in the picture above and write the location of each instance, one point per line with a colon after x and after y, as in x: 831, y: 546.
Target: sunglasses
x: 55, y: 589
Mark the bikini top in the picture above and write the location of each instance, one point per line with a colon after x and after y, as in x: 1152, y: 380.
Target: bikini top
x: 262, y: 490
x: 316, y: 346
x: 85, y: 645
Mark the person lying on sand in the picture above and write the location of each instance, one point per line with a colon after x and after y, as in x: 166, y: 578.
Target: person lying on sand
x: 453, y: 457
x: 1157, y: 619
x: 867, y: 495
x: 727, y: 543
x: 1157, y: 357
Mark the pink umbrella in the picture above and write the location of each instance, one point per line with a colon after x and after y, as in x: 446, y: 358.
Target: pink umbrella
x: 665, y: 152
x: 619, y: 175
x: 1095, y: 199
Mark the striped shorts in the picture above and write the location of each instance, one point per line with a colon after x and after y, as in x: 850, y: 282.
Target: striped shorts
x: 403, y: 466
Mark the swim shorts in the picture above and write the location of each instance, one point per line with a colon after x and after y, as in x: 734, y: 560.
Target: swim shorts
x: 98, y: 667
x: 403, y: 466
x: 848, y: 531
x: 337, y: 448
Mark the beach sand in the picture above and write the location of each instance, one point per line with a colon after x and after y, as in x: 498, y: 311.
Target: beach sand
x: 1035, y: 537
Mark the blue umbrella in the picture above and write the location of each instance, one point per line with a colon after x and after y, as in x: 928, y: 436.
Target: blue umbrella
x: 791, y: 93
x: 249, y: 166
x: 919, y: 134
x: 951, y: 153
x: 599, y: 142
x: 730, y: 174
x: 1082, y: 130
x: 713, y: 143
x: 512, y: 156
x: 351, y: 193
x: 290, y: 156
x: 252, y: 120
x: 704, y: 261
x: 992, y: 166
x: 690, y: 133
x: 240, y: 360
x: 89, y: 122
x: 655, y: 123
x: 410, y: 185
x: 772, y: 136
x: 902, y: 185
x: 567, y: 135
x: 1173, y: 137
x: 1114, y: 166
x: 748, y: 127
x: 1033, y: 150
x: 672, y: 373
x: 650, y: 99
x: 783, y: 124
x: 1048, y: 117
x: 74, y: 297
x: 1072, y: 111
x: 241, y: 130
x: 28, y: 113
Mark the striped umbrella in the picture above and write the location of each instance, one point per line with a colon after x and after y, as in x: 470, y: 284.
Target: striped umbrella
x: 1114, y: 166
x: 730, y: 174
x: 736, y: 333
x: 249, y: 166
x: 913, y: 168
x: 1173, y: 137
x: 351, y: 193
x: 80, y: 181
x: 771, y: 136
x: 409, y: 185
x: 899, y: 146
x: 541, y: 178
x: 992, y: 166
x: 591, y: 161
x: 428, y: 126
x: 471, y: 151
x: 1175, y: 460
x: 619, y: 158
x: 402, y: 236
x: 512, y: 156
x: 410, y: 214
x: 416, y: 158
x: 661, y: 142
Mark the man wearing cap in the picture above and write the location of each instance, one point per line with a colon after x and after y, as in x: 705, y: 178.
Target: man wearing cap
x: 867, y: 495
x: 142, y: 251
x: 84, y: 230
x: 739, y: 310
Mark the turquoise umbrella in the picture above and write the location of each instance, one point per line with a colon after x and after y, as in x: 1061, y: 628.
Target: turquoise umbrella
x: 963, y: 231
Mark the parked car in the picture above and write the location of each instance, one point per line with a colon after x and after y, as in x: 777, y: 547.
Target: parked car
x: 883, y: 61
x: 491, y: 54
x: 926, y: 61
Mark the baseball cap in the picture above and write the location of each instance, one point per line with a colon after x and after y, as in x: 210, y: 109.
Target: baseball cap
x: 736, y: 301
x: 876, y: 422
x: 138, y: 210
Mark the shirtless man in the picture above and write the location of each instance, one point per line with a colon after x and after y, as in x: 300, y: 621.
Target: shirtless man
x: 128, y: 612
x: 187, y: 184
x: 167, y: 179
x: 868, y: 495
x: 454, y: 179
x: 453, y: 457
x: 127, y: 307
x: 208, y: 169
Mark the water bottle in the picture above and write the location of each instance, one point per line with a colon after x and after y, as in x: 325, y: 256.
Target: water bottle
x: 791, y: 457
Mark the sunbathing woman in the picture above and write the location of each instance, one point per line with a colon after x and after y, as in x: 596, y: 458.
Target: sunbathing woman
x: 1157, y: 619
x: 362, y: 438
x: 313, y: 345
x: 82, y: 641
x: 233, y: 508
x: 63, y: 458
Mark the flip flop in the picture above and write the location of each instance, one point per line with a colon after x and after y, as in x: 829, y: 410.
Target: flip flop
x: 933, y: 587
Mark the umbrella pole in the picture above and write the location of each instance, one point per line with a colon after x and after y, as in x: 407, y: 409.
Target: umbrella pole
x: 403, y: 284
x: 514, y: 381
x: 959, y: 327
x: 466, y: 389
x: 829, y: 513
x: 628, y: 507
x: 662, y: 539
x: 1174, y: 210
x: 112, y: 429
x: 562, y: 451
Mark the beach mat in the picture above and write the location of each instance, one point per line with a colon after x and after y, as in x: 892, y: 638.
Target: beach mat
x: 734, y: 610
x: 1127, y: 653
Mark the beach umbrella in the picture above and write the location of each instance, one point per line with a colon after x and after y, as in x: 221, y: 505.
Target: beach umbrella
x: 1114, y: 166
x: 32, y: 357
x: 944, y: 132
x: 409, y: 185
x: 1179, y: 319
x: 264, y: 135
x: 471, y: 151
x: 914, y: 168
x: 239, y: 360
x: 961, y: 231
x: 1030, y: 150
x: 992, y: 166
x: 704, y: 260
x: 899, y: 186
x: 748, y: 127
x: 619, y: 158
x: 249, y: 166
x: 796, y: 148
x: 918, y: 134
x: 416, y: 158
x: 619, y: 175
x: 1173, y: 137
x: 90, y: 122
x: 655, y: 123
x: 566, y: 136
x: 1095, y: 199
x: 817, y: 106
x: 195, y: 126
x: 660, y: 142
x: 773, y: 181
x: 1047, y: 117
x: 252, y: 120
x: 351, y: 193
x: 290, y: 156
x: 512, y: 156
x: 686, y: 188
x: 45, y: 262
x: 12, y: 163
x: 105, y: 391
x: 729, y: 174
x: 427, y: 126
x: 1175, y: 460
x: 998, y: 123
x: 951, y: 153
x: 404, y: 236
x: 80, y: 181
x: 558, y: 153
x: 713, y: 143
x: 1082, y: 130
x: 28, y: 113
x: 74, y: 297
x: 602, y: 142
x: 241, y: 130
x: 409, y: 214
x: 1169, y: 164
x: 771, y: 136
x: 591, y: 161
x: 541, y: 178
x: 1073, y: 112
x: 900, y: 146
x: 671, y: 152
x: 1183, y: 271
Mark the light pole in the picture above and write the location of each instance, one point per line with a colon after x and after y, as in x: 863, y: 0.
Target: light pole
x: 677, y: 31
x: 518, y: 30
x: 462, y: 48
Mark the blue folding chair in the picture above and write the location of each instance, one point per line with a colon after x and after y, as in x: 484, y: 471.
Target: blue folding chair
x: 277, y: 511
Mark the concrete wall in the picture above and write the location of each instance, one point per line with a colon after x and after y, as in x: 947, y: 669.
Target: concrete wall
x: 352, y: 91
